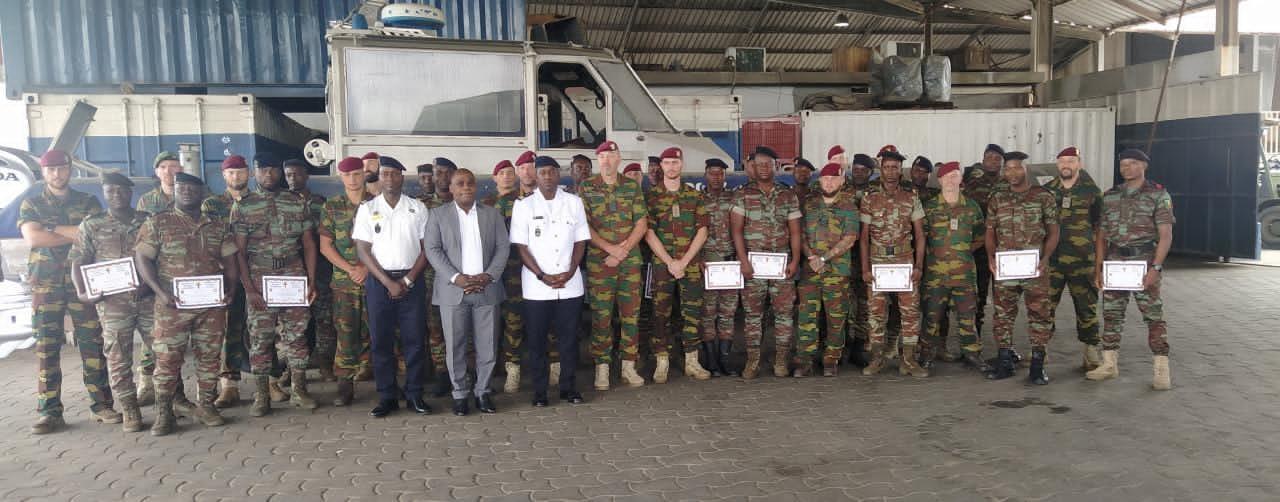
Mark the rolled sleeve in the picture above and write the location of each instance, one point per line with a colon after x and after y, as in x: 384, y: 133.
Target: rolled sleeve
x: 148, y: 241
x: 360, y: 228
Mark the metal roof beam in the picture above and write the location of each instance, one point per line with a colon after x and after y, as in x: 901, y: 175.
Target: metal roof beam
x: 967, y: 16
x: 719, y: 50
x: 782, y: 30
x: 1191, y: 7
x: 1150, y: 14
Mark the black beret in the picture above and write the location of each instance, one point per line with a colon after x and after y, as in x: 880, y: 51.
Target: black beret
x: 188, y: 179
x: 581, y: 157
x: 299, y: 163
x: 1135, y: 154
x: 424, y: 168
x: 1016, y: 155
x: 653, y: 159
x: 924, y: 162
x: 717, y: 163
x: 864, y: 160
x: 994, y: 148
x: 545, y: 161
x: 445, y: 163
x: 805, y: 163
x: 116, y: 179
x: 764, y: 150
x: 265, y: 159
x: 387, y: 161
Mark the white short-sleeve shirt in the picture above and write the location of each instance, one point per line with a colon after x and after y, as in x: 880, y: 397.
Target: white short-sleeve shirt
x: 550, y: 228
x: 395, y: 233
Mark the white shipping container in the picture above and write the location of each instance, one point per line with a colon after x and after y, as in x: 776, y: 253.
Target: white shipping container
x: 962, y: 135
x: 703, y: 113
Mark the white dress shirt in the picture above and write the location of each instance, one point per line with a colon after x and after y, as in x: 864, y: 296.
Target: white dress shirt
x: 472, y: 247
x: 395, y: 233
x: 550, y: 228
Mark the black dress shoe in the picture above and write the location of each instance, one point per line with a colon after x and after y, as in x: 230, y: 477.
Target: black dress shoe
x: 485, y: 404
x: 460, y: 407
x: 540, y: 400
x: 384, y: 408
x: 572, y: 397
x: 442, y: 385
x: 418, y: 405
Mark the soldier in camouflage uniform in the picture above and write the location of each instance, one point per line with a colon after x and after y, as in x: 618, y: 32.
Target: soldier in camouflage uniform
x: 830, y: 230
x: 1024, y: 217
x: 350, y: 320
x: 112, y: 236
x: 183, y: 242
x: 324, y: 347
x: 49, y: 222
x: 433, y: 196
x: 579, y: 171
x: 921, y: 169
x: 1137, y: 224
x: 269, y: 224
x: 892, y: 234
x: 618, y: 219
x: 802, y: 173
x: 677, y: 231
x: 859, y: 185
x: 955, y: 229
x: 980, y: 182
x: 719, y: 306
x: 766, y: 219
x: 235, y: 350
x: 1080, y: 208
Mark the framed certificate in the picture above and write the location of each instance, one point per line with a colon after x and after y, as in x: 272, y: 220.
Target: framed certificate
x: 891, y: 278
x: 722, y: 275
x: 284, y: 290
x: 772, y: 266
x: 1123, y: 275
x: 198, y: 292
x: 107, y: 278
x: 1024, y: 264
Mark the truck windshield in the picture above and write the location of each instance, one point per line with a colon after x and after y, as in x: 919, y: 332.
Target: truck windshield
x: 633, y: 108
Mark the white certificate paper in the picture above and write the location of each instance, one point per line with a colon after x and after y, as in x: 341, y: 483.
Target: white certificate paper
x: 1123, y: 275
x: 110, y: 277
x: 1023, y: 264
x: 723, y: 275
x: 772, y: 266
x: 198, y: 292
x: 892, y: 278
x: 284, y: 290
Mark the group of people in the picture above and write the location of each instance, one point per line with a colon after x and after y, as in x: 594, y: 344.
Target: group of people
x: 392, y: 280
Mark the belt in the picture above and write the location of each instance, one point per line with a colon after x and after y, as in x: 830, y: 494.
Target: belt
x: 397, y: 274
x: 276, y: 263
x: 1133, y: 251
x: 879, y: 250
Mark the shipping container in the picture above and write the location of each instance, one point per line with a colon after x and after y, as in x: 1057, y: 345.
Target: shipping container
x: 716, y: 117
x: 782, y: 134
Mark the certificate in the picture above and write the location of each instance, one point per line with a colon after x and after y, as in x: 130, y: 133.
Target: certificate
x: 722, y: 275
x: 771, y: 266
x: 892, y: 278
x: 1023, y: 264
x: 1123, y: 275
x: 109, y: 277
x: 198, y: 292
x: 284, y: 290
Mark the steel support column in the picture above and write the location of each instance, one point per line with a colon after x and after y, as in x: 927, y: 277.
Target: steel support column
x: 1042, y: 37
x: 1226, y: 37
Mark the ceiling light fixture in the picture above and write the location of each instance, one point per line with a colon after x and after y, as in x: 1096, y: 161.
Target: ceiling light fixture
x: 842, y: 21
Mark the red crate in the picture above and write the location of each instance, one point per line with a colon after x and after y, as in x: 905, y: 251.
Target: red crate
x: 782, y: 134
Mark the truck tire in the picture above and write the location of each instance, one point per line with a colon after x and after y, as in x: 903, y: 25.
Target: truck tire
x: 1270, y: 219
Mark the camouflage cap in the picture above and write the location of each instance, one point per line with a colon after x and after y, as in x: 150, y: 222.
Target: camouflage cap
x: 163, y: 156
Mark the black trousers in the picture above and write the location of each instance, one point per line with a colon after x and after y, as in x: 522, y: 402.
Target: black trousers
x: 983, y: 266
x: 385, y: 315
x: 539, y: 317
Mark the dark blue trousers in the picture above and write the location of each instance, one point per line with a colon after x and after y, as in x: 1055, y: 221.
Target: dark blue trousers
x: 539, y: 317
x: 386, y: 315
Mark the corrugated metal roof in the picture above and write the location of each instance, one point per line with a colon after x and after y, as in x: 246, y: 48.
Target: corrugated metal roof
x: 1102, y: 14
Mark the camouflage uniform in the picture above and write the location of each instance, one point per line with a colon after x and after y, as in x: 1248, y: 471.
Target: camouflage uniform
x: 720, y: 305
x: 612, y: 212
x: 1021, y: 222
x: 676, y: 217
x: 825, y: 224
x: 1129, y: 224
x: 949, y: 274
x: 858, y: 298
x: 103, y: 237
x: 512, y: 327
x: 979, y: 185
x: 185, y: 247
x: 53, y: 297
x: 926, y: 193
x: 890, y: 220
x: 235, y: 349
x: 350, y: 321
x: 155, y: 201
x: 326, y: 337
x: 435, y: 330
x: 272, y: 224
x: 1074, y: 259
x: 766, y: 230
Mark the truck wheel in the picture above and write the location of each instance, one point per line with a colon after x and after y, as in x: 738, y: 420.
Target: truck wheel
x: 1270, y: 219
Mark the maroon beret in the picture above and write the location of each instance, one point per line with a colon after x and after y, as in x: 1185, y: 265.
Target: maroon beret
x: 526, y: 158
x: 370, y: 156
x: 349, y: 164
x: 835, y: 150
x: 634, y: 166
x: 672, y: 153
x: 948, y: 168
x: 55, y: 158
x: 234, y: 162
x: 1070, y: 151
x: 607, y: 146
x: 501, y: 165
x: 831, y: 169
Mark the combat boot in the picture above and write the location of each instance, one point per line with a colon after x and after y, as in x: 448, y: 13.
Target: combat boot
x: 661, y: 367
x: 602, y: 376
x: 1110, y: 367
x: 724, y: 349
x: 301, y: 398
x: 858, y: 356
x: 132, y: 414
x: 106, y: 416
x: 275, y: 391
x: 877, y: 361
x: 48, y: 424
x: 974, y: 361
x: 1036, y: 375
x: 629, y: 374
x: 165, y: 418
x: 326, y: 373
x: 512, y: 384
x: 1092, y: 357
x: 909, y: 365
x: 182, y: 406
x: 1160, y: 373
x: 803, y: 369
x: 208, y: 415
x: 707, y: 358
x: 780, y: 357
x: 228, y: 393
x: 693, y: 369
x: 346, y: 392
x: 261, y: 397
x: 1004, y: 366
x: 553, y: 376
x: 146, y: 389
x: 751, y: 369
x: 830, y: 365
x: 364, y: 374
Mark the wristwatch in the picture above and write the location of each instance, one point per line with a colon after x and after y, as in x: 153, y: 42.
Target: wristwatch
x: 823, y: 259
x: 1158, y: 268
x: 49, y: 227
x: 541, y: 275
x: 407, y: 281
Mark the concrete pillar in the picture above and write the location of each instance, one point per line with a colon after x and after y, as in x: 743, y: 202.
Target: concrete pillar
x: 1042, y: 36
x: 1226, y: 36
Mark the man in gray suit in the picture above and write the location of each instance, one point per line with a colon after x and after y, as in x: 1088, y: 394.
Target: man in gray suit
x: 467, y: 246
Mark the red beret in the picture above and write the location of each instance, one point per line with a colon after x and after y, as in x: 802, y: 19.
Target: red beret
x: 607, y: 146
x: 891, y: 152
x: 1070, y: 151
x: 948, y: 168
x: 634, y: 166
x: 672, y: 153
x: 526, y: 158
x: 234, y: 162
x: 349, y: 164
x: 835, y: 150
x: 370, y: 156
x: 832, y: 169
x: 501, y: 165
x: 55, y: 158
